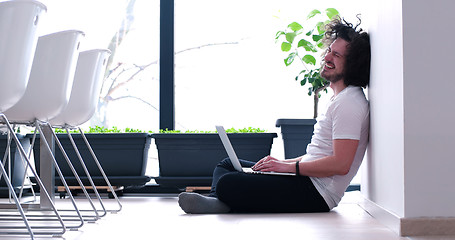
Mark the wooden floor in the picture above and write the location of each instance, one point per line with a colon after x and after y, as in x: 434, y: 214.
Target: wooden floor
x: 159, y: 217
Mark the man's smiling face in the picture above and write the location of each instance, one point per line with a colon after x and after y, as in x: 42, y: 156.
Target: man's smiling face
x: 333, y: 68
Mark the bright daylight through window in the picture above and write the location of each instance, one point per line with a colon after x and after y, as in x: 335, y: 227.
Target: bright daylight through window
x: 228, y: 68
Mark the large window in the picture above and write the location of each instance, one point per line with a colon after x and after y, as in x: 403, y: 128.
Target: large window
x: 228, y: 68
x: 233, y: 72
x: 130, y: 29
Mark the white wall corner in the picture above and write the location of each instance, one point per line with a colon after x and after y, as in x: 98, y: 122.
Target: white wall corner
x: 381, y: 214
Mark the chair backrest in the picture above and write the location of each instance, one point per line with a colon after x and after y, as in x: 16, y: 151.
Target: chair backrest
x: 51, y: 78
x: 90, y: 70
x: 18, y: 38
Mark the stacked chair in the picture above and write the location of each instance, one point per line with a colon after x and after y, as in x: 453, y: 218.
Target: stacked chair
x: 18, y: 39
x: 48, y: 83
x: 47, y: 92
x: 82, y: 105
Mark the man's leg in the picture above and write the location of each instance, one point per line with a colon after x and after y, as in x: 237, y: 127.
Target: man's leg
x: 269, y: 193
x: 223, y: 168
x: 199, y: 204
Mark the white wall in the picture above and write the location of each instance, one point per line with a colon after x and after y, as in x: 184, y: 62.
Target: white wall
x: 411, y: 154
x: 382, y: 178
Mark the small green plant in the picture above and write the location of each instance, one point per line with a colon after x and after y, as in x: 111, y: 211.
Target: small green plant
x: 306, y: 44
x: 245, y: 130
x: 59, y: 130
x: 187, y: 131
x: 101, y: 129
x: 230, y: 130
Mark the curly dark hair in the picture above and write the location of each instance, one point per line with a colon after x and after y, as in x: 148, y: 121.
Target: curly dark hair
x: 358, y: 57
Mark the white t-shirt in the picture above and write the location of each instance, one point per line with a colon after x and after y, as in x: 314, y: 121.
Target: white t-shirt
x: 346, y: 117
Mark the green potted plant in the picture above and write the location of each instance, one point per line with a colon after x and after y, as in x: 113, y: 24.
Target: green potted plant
x: 122, y: 154
x: 303, y: 44
x: 189, y: 158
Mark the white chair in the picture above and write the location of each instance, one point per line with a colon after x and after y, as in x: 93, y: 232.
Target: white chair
x: 51, y: 78
x: 18, y: 39
x: 42, y: 99
x: 47, y: 94
x: 86, y: 89
x: 84, y: 98
x: 19, y: 20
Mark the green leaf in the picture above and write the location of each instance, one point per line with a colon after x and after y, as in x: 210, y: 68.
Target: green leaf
x: 303, y: 71
x: 279, y: 34
x: 313, y: 13
x: 303, y: 82
x: 331, y: 13
x: 295, y: 26
x: 316, y: 38
x: 309, y: 59
x: 285, y: 46
x: 321, y: 27
x: 290, y: 36
x: 310, y: 32
x: 290, y: 59
x: 307, y: 45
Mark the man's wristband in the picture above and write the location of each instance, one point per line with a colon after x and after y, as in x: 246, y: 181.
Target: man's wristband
x: 297, y: 168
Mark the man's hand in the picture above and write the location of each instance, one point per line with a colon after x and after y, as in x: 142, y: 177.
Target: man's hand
x: 271, y: 164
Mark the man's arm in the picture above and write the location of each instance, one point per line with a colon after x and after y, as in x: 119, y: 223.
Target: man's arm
x: 338, y: 164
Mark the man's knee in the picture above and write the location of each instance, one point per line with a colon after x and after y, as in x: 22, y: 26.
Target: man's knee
x: 226, y: 163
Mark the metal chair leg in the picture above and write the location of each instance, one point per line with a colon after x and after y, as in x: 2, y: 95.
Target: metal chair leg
x: 102, y: 171
x: 86, y: 172
x: 97, y: 216
x: 18, y: 205
x: 59, y: 172
x: 26, y: 177
x: 6, y: 158
x: 40, y: 230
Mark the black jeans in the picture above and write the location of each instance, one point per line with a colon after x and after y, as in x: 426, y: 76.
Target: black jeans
x: 259, y: 193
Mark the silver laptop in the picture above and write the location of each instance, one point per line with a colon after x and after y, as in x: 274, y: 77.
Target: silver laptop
x: 235, y: 161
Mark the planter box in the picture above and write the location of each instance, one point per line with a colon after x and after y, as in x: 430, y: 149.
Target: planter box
x: 187, y: 159
x: 123, y: 157
x: 296, y: 135
x: 17, y: 164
